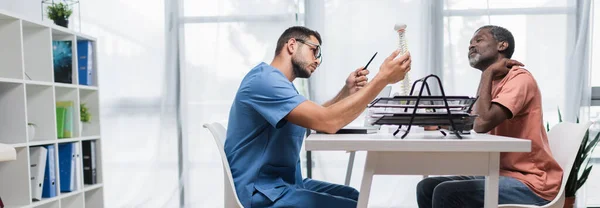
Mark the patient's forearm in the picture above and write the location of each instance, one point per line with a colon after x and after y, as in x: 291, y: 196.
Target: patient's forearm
x: 484, y: 101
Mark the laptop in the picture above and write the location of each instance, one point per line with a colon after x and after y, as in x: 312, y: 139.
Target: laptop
x: 355, y: 128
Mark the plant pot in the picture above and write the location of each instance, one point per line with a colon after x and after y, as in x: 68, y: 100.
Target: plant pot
x: 31, y: 131
x: 62, y: 22
x: 569, y: 202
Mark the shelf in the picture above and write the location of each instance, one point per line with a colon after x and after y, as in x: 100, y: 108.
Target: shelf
x: 7, y: 17
x: 67, y: 140
x: 86, y: 138
x: 40, y: 111
x: 33, y: 25
x: 91, y: 101
x: 10, y: 56
x: 45, y: 202
x: 29, y: 92
x: 94, y: 198
x: 74, y: 200
x: 19, y: 145
x: 37, y: 51
x: 15, y: 176
x: 40, y: 83
x: 69, y: 194
x: 85, y: 37
x: 63, y: 85
x: 92, y: 187
x: 71, y: 95
x: 53, y: 141
x: 43, y: 142
x: 90, y: 88
x: 13, y: 122
x: 59, y: 31
x: 10, y: 80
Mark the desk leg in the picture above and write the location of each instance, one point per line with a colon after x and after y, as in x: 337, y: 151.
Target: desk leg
x: 308, y: 164
x: 349, y: 170
x: 492, y: 180
x: 365, y: 187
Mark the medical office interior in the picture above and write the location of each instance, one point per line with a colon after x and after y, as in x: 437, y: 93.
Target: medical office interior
x: 158, y: 70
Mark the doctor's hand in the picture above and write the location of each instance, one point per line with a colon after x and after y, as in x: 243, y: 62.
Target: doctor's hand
x: 394, y: 69
x: 357, y: 80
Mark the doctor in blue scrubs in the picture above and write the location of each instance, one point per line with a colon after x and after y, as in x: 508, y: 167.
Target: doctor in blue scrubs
x: 268, y: 120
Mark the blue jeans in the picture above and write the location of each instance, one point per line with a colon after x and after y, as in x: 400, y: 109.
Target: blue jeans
x: 314, y: 194
x: 468, y: 191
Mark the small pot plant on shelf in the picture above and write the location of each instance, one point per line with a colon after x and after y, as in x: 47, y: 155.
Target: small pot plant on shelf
x: 60, y: 13
x: 581, y: 167
x: 85, y: 118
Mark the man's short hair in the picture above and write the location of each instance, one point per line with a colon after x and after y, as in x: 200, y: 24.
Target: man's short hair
x: 502, y: 34
x: 296, y: 32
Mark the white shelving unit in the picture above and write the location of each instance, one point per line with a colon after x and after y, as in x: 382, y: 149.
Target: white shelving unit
x: 28, y: 94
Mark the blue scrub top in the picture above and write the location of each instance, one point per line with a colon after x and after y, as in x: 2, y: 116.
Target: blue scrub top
x: 262, y: 148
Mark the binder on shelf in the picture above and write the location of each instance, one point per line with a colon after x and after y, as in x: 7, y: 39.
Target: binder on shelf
x: 63, y: 61
x: 49, y: 187
x: 78, y: 168
x: 37, y: 169
x: 85, y: 61
x: 67, y: 122
x: 66, y: 162
x: 89, y: 162
x: 61, y: 114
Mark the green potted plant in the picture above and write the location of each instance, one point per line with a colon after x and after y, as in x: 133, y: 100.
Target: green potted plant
x: 85, y: 117
x: 581, y: 167
x: 60, y: 13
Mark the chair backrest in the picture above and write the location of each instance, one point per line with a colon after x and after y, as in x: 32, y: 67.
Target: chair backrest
x: 219, y: 133
x: 565, y: 139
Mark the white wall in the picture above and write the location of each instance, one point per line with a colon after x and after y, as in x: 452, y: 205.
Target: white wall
x: 25, y: 8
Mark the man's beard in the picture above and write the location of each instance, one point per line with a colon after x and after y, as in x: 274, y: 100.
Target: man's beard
x: 300, y: 68
x: 473, y: 61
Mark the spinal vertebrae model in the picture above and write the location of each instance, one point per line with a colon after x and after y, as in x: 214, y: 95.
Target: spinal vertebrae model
x: 405, y: 84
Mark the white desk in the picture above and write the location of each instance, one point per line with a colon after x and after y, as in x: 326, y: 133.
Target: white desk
x: 424, y: 153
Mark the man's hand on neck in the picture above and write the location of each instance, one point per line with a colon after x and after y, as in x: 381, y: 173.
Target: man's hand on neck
x: 491, y: 114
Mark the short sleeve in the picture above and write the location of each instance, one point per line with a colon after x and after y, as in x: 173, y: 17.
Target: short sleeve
x: 272, y: 96
x: 516, y: 93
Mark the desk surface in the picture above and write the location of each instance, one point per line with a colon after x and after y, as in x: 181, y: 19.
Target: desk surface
x: 428, y: 141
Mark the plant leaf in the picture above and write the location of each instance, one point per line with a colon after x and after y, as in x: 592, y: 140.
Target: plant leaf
x: 583, y: 177
x: 571, y: 184
x: 559, y: 115
x: 590, y: 146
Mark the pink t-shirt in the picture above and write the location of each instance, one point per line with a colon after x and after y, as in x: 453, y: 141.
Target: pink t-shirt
x: 518, y: 92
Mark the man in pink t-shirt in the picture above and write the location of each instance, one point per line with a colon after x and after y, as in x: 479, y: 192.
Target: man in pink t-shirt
x: 509, y: 104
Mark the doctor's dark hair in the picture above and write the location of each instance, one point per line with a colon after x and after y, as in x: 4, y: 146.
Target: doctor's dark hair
x: 296, y: 32
x: 502, y: 34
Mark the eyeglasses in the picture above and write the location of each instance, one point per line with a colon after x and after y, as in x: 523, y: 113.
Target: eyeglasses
x: 317, y: 50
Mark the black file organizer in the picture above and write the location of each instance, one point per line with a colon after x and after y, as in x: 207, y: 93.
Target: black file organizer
x: 457, y: 115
